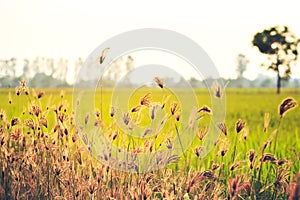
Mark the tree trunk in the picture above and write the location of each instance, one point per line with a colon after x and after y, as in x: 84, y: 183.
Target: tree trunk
x: 278, y: 82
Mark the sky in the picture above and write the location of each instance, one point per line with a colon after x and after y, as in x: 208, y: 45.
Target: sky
x: 72, y: 29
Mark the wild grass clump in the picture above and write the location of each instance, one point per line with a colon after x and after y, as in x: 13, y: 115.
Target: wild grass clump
x: 43, y: 157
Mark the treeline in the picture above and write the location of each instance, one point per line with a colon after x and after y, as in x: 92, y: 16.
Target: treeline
x: 40, y: 71
x: 47, y: 72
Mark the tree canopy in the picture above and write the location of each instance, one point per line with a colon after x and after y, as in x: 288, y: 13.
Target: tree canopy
x: 280, y: 46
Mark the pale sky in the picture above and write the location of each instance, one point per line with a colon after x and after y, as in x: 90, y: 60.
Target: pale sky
x: 70, y: 29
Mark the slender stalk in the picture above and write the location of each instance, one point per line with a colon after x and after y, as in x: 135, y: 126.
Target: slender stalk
x: 178, y: 135
x: 276, y: 136
x: 101, y: 94
x: 234, y: 148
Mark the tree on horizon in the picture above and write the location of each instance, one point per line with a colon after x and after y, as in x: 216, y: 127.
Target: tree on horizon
x: 242, y: 62
x: 280, y: 46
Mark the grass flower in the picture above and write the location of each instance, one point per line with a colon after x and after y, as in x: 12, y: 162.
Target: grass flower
x: 159, y: 82
x: 286, y: 105
x: 239, y: 125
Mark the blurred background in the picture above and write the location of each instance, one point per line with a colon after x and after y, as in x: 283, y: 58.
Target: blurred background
x: 46, y: 42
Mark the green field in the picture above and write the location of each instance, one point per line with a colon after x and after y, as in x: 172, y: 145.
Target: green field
x: 43, y: 156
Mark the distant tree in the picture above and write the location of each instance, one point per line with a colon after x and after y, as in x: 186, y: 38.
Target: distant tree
x: 266, y: 83
x: 114, y: 71
x: 242, y: 63
x: 194, y: 82
x: 50, y: 66
x: 78, y: 65
x: 61, y: 70
x: 8, y: 67
x: 129, y: 63
x: 296, y: 83
x: 4, y: 70
x: 26, y: 71
x: 34, y: 66
x: 280, y: 45
x: 13, y: 66
x: 129, y: 66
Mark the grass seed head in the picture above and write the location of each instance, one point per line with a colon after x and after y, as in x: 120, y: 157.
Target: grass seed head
x: 265, y: 145
x: 154, y: 108
x: 215, y: 167
x: 286, y: 105
x: 86, y: 119
x: 169, y: 143
x: 35, y: 110
x: 223, y: 152
x: 62, y: 94
x: 103, y: 55
x: 268, y: 157
x: 205, y: 109
x: 199, y: 151
x: 98, y: 113
x: 172, y: 159
x: 246, y: 133
x: 202, y: 133
x: 266, y: 121
x: 126, y: 118
x: 218, y: 92
x: 146, y: 100
x: 78, y: 158
x: 66, y: 132
x: 74, y: 137
x: 282, y: 161
x: 136, y: 108
x: 30, y: 123
x: 234, y: 166
x: 2, y: 115
x: 26, y: 91
x: 43, y: 122
x: 240, y: 124
x: 15, y: 121
x: 177, y: 116
x: 208, y: 174
x: 234, y: 187
x: 60, y: 107
x: 40, y: 94
x: 115, y: 135
x: 159, y: 82
x: 222, y: 127
x: 174, y: 107
x: 251, y: 155
x: 165, y: 101
x: 147, y: 131
x: 9, y: 98
x: 18, y: 91
x: 16, y: 134
x: 113, y: 111
x: 2, y: 140
x: 23, y: 83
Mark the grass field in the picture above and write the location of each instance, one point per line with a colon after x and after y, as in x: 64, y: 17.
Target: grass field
x: 42, y: 156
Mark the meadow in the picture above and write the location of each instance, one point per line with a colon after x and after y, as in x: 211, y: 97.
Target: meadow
x: 257, y: 155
